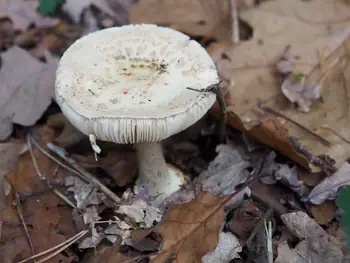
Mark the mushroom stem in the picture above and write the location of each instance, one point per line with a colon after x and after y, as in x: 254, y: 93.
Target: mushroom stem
x: 153, y: 171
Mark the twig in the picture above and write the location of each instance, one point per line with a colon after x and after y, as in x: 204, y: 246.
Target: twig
x: 56, y: 191
x: 50, y: 156
x: 60, y: 247
x: 268, y: 231
x: 20, y: 214
x: 62, y: 153
x: 258, y: 226
x: 235, y: 24
x: 324, y: 162
x: 279, y: 114
x: 215, y: 88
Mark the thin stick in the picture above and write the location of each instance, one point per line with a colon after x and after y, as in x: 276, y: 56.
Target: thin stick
x: 275, y: 112
x: 235, y: 24
x: 62, y: 153
x: 20, y: 214
x: 50, y: 156
x: 268, y: 231
x: 62, y: 246
x: 56, y: 191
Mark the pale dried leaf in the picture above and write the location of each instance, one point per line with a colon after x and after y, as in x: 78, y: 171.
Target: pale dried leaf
x: 300, y: 92
x: 328, y: 188
x: 210, y: 18
x: 92, y: 241
x: 91, y: 215
x: 190, y: 230
x: 225, y: 172
x: 227, y: 249
x: 85, y: 194
x: 308, y: 27
x: 114, y: 8
x: 23, y: 14
x: 27, y: 88
x: 321, y: 247
x: 140, y: 212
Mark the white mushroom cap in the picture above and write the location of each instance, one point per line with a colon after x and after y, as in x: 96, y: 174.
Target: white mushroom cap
x: 129, y: 84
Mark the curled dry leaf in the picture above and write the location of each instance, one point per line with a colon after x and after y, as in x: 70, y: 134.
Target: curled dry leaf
x: 211, y: 18
x: 317, y: 245
x: 328, y: 188
x: 305, y: 26
x: 84, y: 193
x: 27, y: 87
x: 324, y: 212
x: 23, y: 14
x: 227, y: 249
x: 190, y: 230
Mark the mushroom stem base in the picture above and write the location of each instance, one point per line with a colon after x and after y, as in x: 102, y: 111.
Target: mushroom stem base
x: 153, y: 172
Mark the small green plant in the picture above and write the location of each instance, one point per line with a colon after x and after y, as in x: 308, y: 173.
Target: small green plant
x: 48, y: 7
x: 343, y: 201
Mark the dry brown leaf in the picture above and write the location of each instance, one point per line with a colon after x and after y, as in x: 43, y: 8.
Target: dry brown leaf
x: 121, y: 165
x: 210, y: 18
x: 9, y: 152
x: 27, y: 88
x: 308, y: 27
x: 190, y: 230
x: 41, y: 211
x: 324, y: 212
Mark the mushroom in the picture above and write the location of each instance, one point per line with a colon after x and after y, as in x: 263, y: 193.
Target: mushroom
x: 129, y: 84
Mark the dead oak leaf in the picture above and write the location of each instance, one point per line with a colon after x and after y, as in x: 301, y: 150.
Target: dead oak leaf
x: 190, y: 230
x: 27, y: 87
x: 310, y: 28
x: 197, y: 18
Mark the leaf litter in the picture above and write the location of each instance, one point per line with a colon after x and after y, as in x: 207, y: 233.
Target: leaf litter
x: 238, y: 183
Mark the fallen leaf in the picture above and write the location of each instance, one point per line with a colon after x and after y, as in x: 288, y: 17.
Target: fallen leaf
x: 317, y: 245
x: 308, y: 27
x: 114, y: 8
x: 211, y: 19
x: 300, y: 92
x: 9, y: 153
x: 143, y: 214
x: 93, y: 240
x: 244, y: 220
x: 224, y: 173
x: 27, y: 89
x: 23, y: 14
x: 84, y: 193
x: 106, y: 254
x: 120, y: 164
x: 191, y: 230
x: 271, y: 196
x: 324, y: 213
x: 328, y: 188
x: 311, y: 179
x: 40, y: 211
x: 227, y: 249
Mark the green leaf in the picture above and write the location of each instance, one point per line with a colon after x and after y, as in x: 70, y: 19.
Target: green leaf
x: 48, y: 7
x: 343, y: 202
